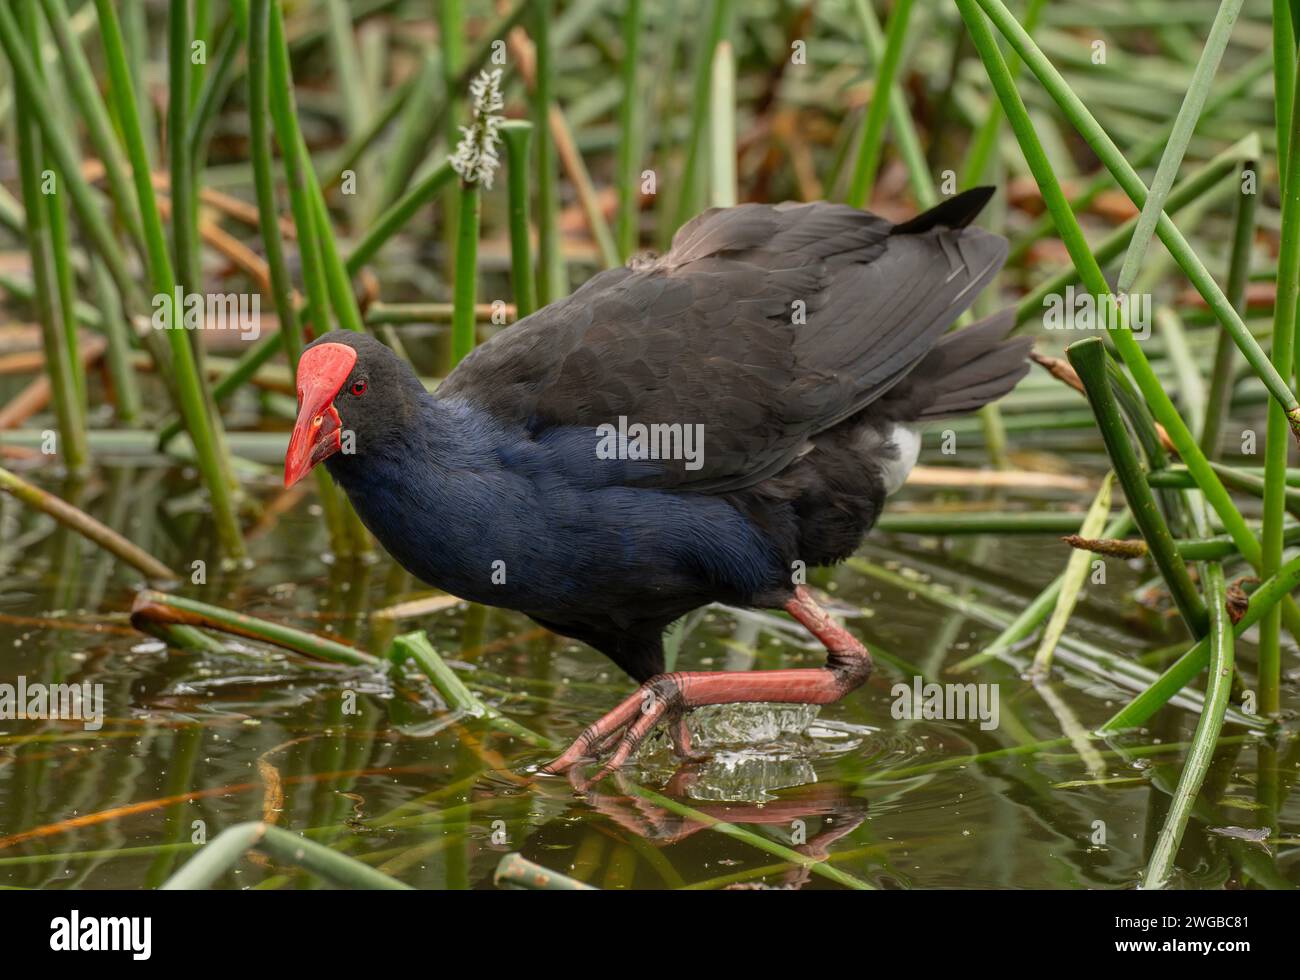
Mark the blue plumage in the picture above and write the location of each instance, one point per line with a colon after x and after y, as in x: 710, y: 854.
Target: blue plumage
x: 490, y: 514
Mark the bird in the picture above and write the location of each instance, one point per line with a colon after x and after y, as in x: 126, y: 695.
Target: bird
x: 696, y: 427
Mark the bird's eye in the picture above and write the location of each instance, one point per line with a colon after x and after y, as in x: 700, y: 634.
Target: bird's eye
x: 359, y: 387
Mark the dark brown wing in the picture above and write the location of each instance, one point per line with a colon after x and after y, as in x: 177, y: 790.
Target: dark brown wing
x: 765, y: 324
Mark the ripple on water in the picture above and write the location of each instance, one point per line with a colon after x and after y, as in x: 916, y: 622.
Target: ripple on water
x: 756, y: 750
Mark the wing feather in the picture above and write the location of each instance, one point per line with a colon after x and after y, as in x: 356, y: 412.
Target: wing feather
x: 765, y: 324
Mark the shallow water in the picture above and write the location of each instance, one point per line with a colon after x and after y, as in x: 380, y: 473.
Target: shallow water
x: 376, y: 766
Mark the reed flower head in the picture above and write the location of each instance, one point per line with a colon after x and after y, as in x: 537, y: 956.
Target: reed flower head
x: 475, y: 159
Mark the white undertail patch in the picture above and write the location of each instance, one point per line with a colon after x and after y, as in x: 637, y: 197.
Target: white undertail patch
x: 907, y: 444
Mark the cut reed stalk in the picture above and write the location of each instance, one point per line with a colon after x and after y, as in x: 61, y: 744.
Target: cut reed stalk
x: 516, y: 133
x: 516, y: 871
x: 1088, y: 358
x: 171, y: 610
x: 417, y: 648
x: 224, y: 852
x: 722, y: 129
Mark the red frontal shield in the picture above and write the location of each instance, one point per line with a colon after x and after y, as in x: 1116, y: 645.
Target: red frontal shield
x: 317, y: 434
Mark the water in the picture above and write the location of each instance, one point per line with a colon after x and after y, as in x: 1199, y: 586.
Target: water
x: 195, y: 743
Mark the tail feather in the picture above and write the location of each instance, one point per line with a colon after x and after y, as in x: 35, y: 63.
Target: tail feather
x: 965, y: 371
x: 953, y: 212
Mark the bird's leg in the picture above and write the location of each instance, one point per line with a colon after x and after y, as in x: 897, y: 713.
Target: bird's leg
x: 681, y: 736
x: 848, y: 665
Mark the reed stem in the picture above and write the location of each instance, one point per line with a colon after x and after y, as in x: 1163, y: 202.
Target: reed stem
x: 1131, y: 183
x: 900, y: 115
x: 1152, y: 389
x: 205, y: 430
x: 1276, y: 443
x: 85, y: 525
x: 873, y: 132
x: 52, y: 314
x: 1184, y: 124
x: 81, y: 83
x: 552, y: 276
x: 284, y: 115
x: 185, y: 235
x: 688, y: 194
x: 1223, y: 375
x: 1076, y: 570
x: 630, y: 138
x: 1185, y: 669
x: 465, y: 289
x: 290, y: 335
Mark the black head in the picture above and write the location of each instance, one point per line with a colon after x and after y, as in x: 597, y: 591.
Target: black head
x: 354, y: 396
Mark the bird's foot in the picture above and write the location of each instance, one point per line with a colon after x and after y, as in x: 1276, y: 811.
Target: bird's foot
x: 667, y: 697
x: 659, y: 699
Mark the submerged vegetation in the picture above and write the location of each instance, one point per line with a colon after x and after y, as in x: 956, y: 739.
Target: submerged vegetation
x: 431, y: 172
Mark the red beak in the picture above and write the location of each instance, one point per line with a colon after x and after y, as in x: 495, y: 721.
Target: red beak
x: 317, y: 434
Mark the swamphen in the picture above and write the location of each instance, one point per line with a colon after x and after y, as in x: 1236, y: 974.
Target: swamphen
x: 794, y: 347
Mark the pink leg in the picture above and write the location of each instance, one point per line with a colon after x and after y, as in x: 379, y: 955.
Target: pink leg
x: 848, y: 665
x: 681, y: 736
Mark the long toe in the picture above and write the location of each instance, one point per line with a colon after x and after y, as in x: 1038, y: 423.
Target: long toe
x: 596, y: 737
